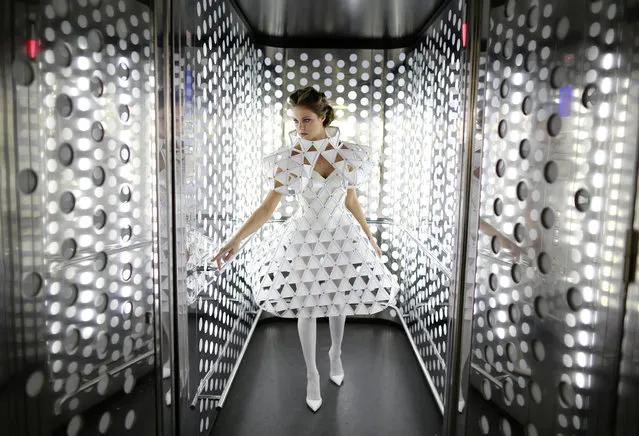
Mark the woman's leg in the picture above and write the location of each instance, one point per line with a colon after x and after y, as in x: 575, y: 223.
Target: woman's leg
x: 307, y: 329
x: 336, y: 325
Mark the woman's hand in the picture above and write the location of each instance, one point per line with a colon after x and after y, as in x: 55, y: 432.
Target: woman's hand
x: 226, y: 252
x: 375, y: 246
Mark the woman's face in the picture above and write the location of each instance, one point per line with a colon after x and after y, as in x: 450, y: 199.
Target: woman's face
x: 308, y: 125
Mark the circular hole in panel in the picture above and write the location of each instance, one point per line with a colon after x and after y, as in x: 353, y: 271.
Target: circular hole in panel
x: 125, y: 153
x: 526, y: 106
x: 61, y: 8
x: 502, y: 129
x: 69, y: 248
x: 72, y: 383
x: 558, y: 77
x: 516, y: 273
x: 509, y: 390
x: 566, y: 394
x: 535, y: 392
x: 554, y: 125
x: 69, y: 294
x: 125, y: 194
x: 99, y: 219
x: 34, y: 384
x: 575, y: 299
x: 495, y: 244
x: 582, y: 200
x: 63, y: 105
x: 511, y: 352
x: 531, y: 430
x: 551, y: 171
x: 539, y: 351
x: 74, y: 426
x: 100, y: 261
x: 508, y: 48
x: 27, y: 181
x: 541, y: 307
x: 509, y: 10
x: 544, y: 263
x: 65, y: 154
x: 123, y: 71
x: 522, y: 191
x: 493, y: 281
x: 513, y: 313
x: 491, y: 318
x: 97, y: 87
x: 504, y: 89
x: 589, y: 96
x: 127, y: 272
x: 98, y: 176
x: 486, y: 389
x: 531, y: 62
x: 498, y: 207
x: 71, y: 340
x: 103, y: 384
x: 563, y: 27
x: 96, y: 40
x: 102, y: 342
x: 484, y: 427
x: 519, y: 232
x: 97, y: 131
x: 532, y: 19
x: 105, y: 423
x: 126, y: 233
x: 62, y: 54
x: 22, y: 72
x: 127, y: 309
x: 504, y: 427
x: 124, y: 112
x: 31, y: 285
x: 67, y: 202
x: 490, y: 355
x: 500, y: 168
x: 101, y: 302
x: 129, y: 420
x: 547, y: 217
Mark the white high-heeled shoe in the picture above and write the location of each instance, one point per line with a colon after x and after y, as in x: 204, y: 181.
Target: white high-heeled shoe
x: 336, y: 378
x: 314, y: 405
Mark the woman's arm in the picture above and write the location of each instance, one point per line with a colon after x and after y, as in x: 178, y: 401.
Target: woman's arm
x: 352, y: 204
x: 255, y: 221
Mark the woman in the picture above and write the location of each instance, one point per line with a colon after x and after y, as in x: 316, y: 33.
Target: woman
x: 324, y: 262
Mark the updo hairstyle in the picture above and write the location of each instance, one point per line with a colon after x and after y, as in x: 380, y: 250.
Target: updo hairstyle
x: 314, y: 100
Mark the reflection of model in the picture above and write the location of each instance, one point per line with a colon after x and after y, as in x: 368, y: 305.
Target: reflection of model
x: 324, y: 262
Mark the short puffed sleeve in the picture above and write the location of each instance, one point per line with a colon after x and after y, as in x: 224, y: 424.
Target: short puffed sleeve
x: 358, y: 163
x: 287, y: 171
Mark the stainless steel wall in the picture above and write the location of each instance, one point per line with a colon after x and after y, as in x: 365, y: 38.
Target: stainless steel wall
x: 557, y: 195
x: 77, y: 218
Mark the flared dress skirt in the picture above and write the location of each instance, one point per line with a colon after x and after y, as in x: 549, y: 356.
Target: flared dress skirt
x: 321, y: 263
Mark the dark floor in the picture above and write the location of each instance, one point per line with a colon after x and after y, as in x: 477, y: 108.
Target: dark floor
x: 384, y: 391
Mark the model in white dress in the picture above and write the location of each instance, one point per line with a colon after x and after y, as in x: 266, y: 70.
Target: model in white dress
x: 323, y: 262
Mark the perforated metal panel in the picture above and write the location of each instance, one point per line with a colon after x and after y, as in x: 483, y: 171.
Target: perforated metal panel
x: 558, y: 167
x: 220, y: 166
x: 82, y: 221
x: 427, y: 126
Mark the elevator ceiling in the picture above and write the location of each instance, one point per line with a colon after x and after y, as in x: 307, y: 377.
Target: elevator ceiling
x: 336, y: 23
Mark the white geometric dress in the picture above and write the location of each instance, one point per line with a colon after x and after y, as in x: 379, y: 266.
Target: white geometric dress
x: 321, y: 263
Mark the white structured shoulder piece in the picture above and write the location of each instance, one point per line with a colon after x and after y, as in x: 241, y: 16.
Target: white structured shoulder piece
x: 289, y: 169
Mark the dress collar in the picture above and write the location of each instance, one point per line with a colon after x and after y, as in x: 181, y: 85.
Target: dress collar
x: 331, y: 132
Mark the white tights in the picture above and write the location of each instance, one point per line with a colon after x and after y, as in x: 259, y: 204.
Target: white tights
x: 307, y: 329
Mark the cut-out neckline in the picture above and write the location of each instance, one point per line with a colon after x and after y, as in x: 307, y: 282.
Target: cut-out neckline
x: 325, y: 178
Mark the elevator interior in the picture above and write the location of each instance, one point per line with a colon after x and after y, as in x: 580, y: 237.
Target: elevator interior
x: 504, y: 198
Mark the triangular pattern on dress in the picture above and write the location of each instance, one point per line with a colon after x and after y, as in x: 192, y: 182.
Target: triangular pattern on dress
x: 321, y: 264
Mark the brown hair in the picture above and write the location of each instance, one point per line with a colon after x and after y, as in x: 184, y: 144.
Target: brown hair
x: 314, y: 100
